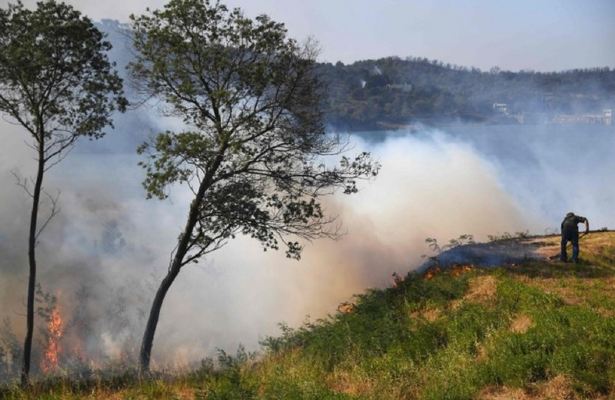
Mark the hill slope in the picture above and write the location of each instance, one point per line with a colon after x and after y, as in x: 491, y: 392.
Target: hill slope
x: 534, y: 330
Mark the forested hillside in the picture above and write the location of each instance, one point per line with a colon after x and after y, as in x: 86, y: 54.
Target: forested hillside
x: 394, y: 92
x: 376, y: 94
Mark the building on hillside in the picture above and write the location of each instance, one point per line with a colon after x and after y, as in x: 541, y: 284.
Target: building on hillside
x: 501, y: 108
x: 608, y: 116
x: 605, y: 118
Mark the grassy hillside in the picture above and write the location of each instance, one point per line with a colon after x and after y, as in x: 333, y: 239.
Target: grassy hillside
x: 531, y: 331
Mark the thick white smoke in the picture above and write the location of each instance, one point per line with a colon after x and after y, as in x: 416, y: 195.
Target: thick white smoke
x: 429, y: 186
x: 109, y: 247
x: 105, y: 254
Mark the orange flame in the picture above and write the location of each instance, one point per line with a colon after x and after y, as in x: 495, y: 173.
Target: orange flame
x: 54, y: 332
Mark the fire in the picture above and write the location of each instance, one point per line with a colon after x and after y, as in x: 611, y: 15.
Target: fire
x: 54, y: 333
x: 431, y: 272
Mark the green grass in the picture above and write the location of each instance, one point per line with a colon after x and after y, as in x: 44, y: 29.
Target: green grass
x: 453, y: 336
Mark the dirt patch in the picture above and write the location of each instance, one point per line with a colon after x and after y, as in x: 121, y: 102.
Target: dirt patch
x: 482, y: 289
x: 521, y: 324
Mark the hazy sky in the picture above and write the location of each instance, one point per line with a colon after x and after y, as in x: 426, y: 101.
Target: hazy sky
x: 513, y: 34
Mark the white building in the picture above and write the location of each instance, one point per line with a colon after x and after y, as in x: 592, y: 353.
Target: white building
x: 501, y: 108
x: 608, y: 116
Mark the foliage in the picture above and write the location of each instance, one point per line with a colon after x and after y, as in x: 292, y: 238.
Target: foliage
x: 249, y: 95
x: 388, y: 92
x: 57, y: 83
x: 253, y: 151
x: 55, y: 78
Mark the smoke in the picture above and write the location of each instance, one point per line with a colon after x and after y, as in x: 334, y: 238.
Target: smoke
x: 108, y: 249
x: 244, y: 292
x: 106, y: 252
x: 104, y: 255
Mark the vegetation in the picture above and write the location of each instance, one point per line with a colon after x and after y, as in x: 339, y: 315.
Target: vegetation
x: 254, y: 148
x: 57, y: 83
x: 534, y: 331
x: 392, y: 92
x: 253, y: 153
x: 388, y: 92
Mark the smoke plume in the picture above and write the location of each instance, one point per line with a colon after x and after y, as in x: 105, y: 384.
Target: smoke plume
x: 105, y: 253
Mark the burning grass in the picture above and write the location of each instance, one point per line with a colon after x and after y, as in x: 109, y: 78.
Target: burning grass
x: 55, y: 330
x: 503, y: 333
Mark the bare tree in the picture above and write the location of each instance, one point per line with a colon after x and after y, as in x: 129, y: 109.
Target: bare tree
x: 254, y: 148
x: 57, y: 83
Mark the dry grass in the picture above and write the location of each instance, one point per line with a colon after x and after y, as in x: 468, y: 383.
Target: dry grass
x: 346, y: 307
x: 521, y: 324
x: 502, y: 393
x: 557, y: 388
x: 429, y: 314
x: 347, y: 383
x: 482, y: 289
x: 590, y: 283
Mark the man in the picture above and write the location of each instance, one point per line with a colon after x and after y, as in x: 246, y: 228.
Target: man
x: 570, y: 232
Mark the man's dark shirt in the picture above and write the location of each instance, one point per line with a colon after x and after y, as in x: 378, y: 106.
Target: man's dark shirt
x: 570, y: 225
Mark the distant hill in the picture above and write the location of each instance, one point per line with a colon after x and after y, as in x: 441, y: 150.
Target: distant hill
x: 392, y: 92
x: 389, y: 92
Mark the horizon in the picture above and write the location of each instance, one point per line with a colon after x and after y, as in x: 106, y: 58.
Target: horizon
x: 550, y: 36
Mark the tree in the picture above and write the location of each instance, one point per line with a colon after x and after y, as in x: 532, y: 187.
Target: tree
x: 253, y: 149
x: 56, y: 82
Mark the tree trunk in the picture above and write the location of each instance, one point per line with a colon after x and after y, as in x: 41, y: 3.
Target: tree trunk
x: 182, y: 248
x: 152, y: 321
x: 36, y: 195
x: 174, y: 268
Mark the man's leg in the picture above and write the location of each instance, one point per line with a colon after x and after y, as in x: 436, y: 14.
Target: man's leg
x: 563, y: 255
x: 575, y: 248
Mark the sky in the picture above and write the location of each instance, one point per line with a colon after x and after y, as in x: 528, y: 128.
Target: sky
x: 542, y: 35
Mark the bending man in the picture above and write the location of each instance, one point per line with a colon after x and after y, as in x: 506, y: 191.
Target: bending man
x: 570, y: 233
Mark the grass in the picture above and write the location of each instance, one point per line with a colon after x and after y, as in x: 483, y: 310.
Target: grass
x: 532, y: 331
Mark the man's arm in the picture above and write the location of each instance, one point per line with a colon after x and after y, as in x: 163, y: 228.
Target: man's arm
x: 585, y: 220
